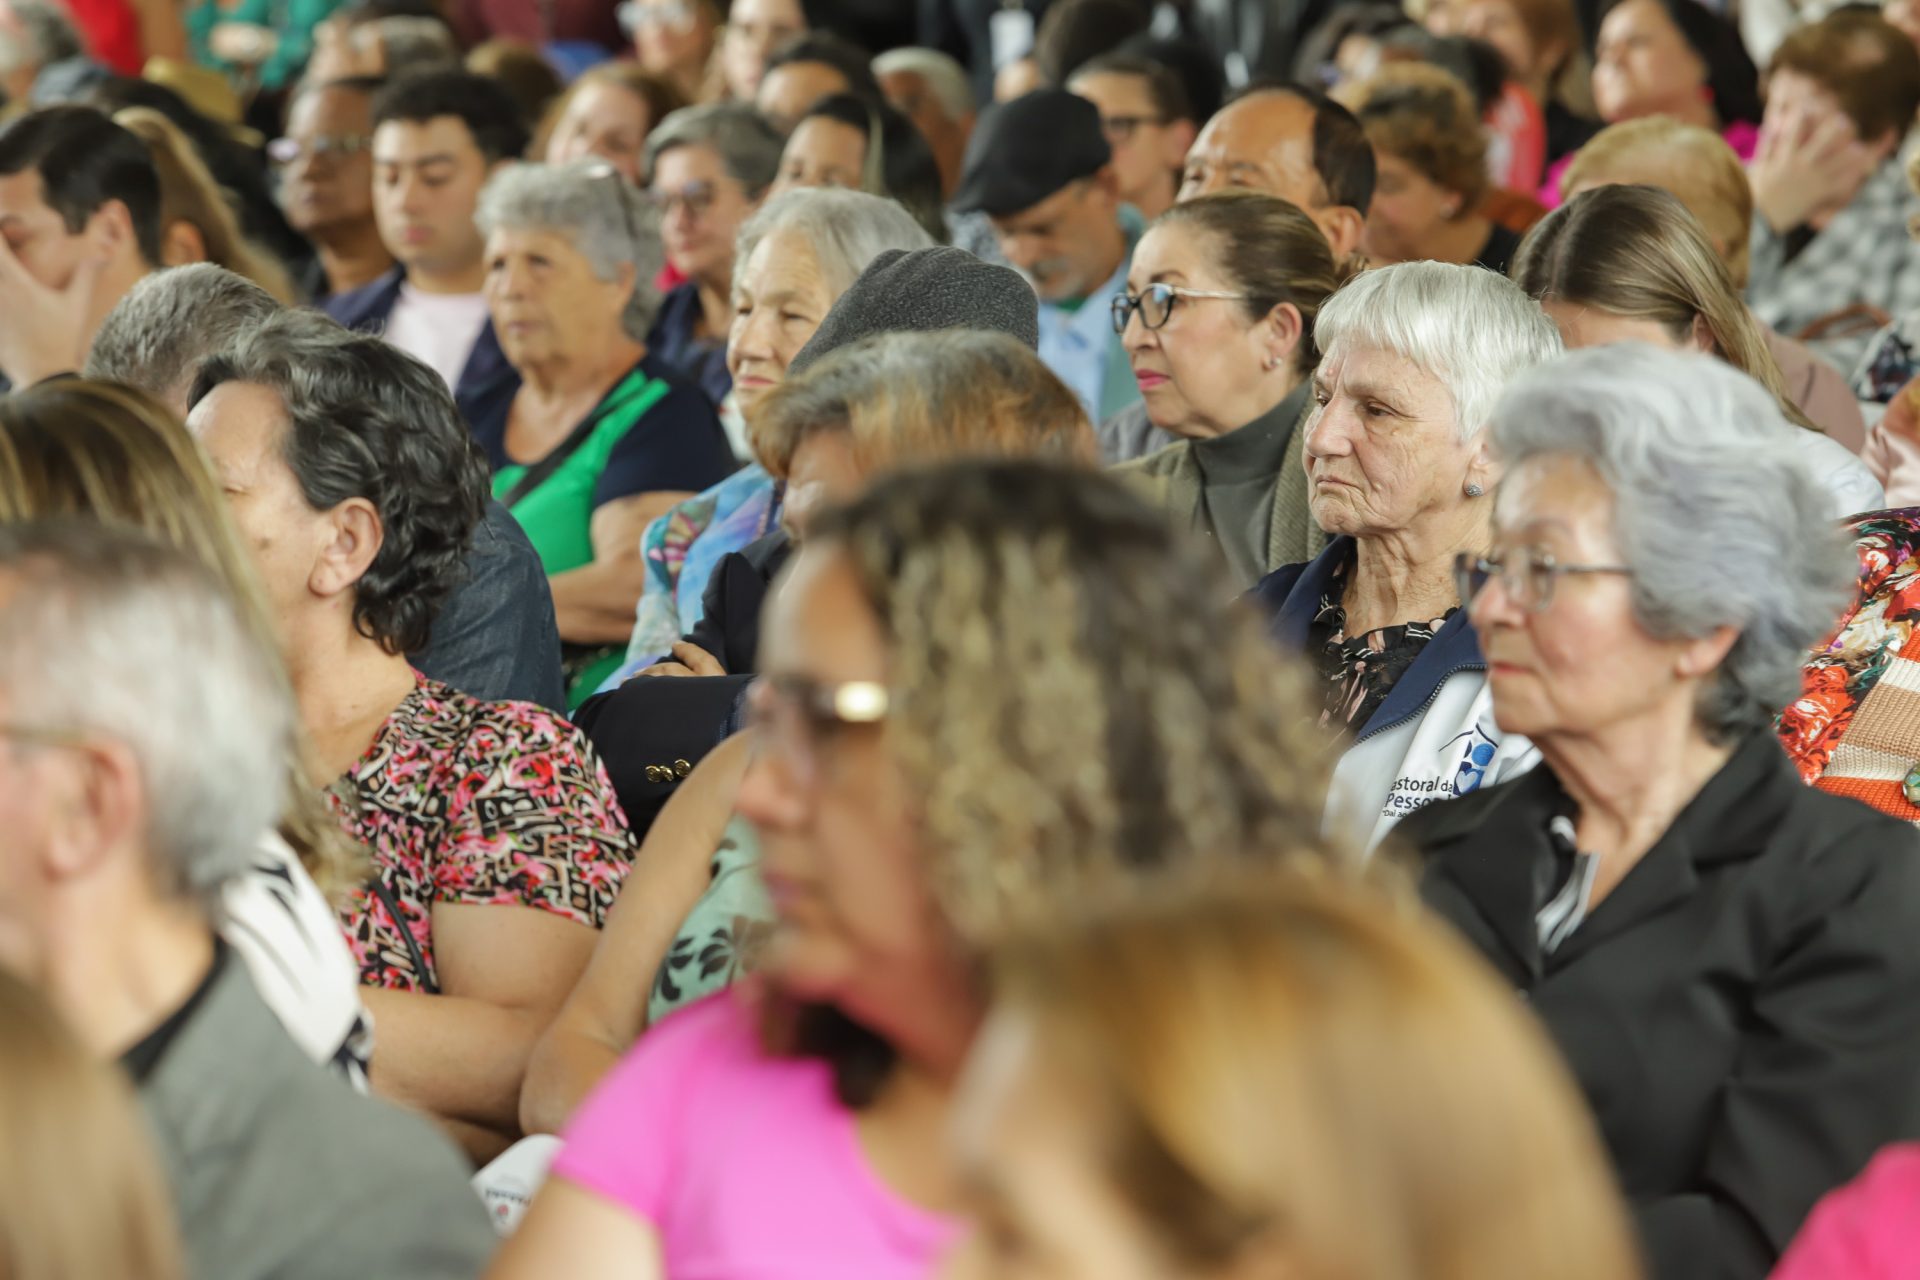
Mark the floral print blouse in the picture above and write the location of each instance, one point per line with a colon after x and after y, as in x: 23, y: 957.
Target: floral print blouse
x: 1358, y: 672
x: 484, y: 803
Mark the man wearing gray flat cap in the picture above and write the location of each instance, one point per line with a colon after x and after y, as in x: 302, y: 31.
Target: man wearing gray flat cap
x: 1040, y: 168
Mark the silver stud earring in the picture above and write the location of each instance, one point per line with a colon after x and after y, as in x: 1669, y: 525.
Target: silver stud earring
x: 1474, y: 491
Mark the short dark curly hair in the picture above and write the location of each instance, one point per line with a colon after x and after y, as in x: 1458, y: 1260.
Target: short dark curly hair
x: 366, y: 420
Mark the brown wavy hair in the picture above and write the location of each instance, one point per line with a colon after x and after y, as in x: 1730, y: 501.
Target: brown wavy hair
x: 80, y: 1182
x: 1636, y: 251
x: 94, y: 449
x: 1298, y: 1066
x: 1426, y: 117
x: 1081, y: 701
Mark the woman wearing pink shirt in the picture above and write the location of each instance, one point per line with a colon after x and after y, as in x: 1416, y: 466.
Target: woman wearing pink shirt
x: 988, y: 689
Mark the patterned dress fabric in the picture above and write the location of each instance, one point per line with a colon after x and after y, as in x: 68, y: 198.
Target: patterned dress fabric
x: 483, y: 803
x: 1855, y: 728
x: 1358, y: 672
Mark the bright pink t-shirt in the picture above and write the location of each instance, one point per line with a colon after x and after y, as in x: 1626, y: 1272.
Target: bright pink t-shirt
x: 1867, y: 1230
x: 747, y: 1165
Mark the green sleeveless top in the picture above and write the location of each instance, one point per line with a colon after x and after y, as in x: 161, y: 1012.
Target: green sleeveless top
x: 558, y: 514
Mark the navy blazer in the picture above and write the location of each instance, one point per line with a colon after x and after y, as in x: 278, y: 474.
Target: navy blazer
x: 1289, y: 597
x: 367, y: 309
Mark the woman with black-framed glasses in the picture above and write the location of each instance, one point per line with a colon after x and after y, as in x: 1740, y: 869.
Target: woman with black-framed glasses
x: 1217, y: 320
x: 1723, y: 954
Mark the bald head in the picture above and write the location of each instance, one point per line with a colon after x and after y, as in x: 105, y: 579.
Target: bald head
x: 1304, y: 149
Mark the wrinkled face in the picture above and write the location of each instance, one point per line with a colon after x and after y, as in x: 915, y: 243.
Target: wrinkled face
x: 672, y: 37
x: 328, y: 185
x: 755, y: 28
x: 1498, y: 23
x: 822, y: 153
x: 37, y: 234
x: 790, y: 90
x: 603, y: 122
x: 1058, y: 244
x: 426, y: 183
x: 780, y: 296
x: 702, y: 207
x: 1383, y: 453
x: 841, y: 857
x: 243, y: 428
x: 1033, y: 1165
x: 1146, y: 149
x: 1584, y: 662
x: 1642, y: 64
x: 1409, y: 209
x: 544, y: 297
x: 1198, y: 370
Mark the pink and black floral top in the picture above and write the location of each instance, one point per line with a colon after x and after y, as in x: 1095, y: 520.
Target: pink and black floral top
x: 485, y: 803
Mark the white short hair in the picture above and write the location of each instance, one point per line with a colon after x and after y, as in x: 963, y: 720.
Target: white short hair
x: 1471, y: 328
x: 110, y: 634
x: 847, y: 229
x: 946, y: 79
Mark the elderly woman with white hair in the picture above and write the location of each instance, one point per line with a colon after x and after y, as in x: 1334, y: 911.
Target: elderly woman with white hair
x: 796, y: 255
x: 1724, y: 955
x: 1399, y: 472
x: 590, y: 435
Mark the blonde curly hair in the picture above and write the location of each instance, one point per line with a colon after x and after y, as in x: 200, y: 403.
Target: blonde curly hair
x: 1081, y: 700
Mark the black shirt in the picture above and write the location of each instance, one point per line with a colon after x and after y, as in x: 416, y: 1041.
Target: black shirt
x: 141, y: 1060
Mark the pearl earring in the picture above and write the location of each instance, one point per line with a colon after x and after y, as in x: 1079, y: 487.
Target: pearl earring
x: 1474, y: 491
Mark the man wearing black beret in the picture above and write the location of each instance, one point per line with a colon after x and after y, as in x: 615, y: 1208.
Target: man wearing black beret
x: 1039, y: 167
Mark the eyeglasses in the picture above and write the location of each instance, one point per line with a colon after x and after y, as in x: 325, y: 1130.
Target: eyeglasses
x: 794, y: 714
x: 284, y: 152
x: 634, y: 15
x: 1526, y: 576
x: 697, y: 197
x: 1155, y: 304
x: 1121, y: 129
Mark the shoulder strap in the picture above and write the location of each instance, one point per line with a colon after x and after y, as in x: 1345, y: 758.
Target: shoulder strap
x: 542, y: 471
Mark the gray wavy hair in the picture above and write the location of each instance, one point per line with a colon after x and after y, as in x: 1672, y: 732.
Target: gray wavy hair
x: 847, y: 229
x: 111, y: 634
x: 1720, y: 521
x: 610, y: 222
x: 746, y: 142
x: 1468, y: 327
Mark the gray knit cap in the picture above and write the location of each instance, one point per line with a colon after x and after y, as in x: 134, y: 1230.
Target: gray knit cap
x: 923, y: 290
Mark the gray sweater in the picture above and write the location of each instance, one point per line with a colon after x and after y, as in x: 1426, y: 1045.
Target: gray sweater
x: 280, y: 1170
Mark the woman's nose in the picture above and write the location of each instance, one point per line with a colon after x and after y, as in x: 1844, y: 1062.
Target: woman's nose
x: 770, y: 795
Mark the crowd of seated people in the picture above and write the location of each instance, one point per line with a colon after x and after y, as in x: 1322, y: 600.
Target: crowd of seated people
x: 793, y: 638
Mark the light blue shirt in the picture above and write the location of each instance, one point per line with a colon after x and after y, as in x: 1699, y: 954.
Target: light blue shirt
x: 1080, y: 346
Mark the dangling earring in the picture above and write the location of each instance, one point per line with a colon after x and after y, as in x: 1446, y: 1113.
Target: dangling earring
x: 1474, y: 490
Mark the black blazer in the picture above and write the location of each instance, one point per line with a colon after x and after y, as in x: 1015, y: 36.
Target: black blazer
x: 1742, y: 1011
x: 729, y: 626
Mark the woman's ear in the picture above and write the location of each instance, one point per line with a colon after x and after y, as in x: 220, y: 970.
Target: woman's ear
x: 354, y: 536
x: 1483, y: 468
x: 183, y: 244
x: 1700, y: 337
x: 1700, y: 658
x: 1282, y: 331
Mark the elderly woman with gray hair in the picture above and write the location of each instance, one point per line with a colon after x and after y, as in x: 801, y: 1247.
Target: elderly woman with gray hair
x: 590, y: 435
x: 1413, y: 358
x: 1724, y: 955
x: 796, y: 256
